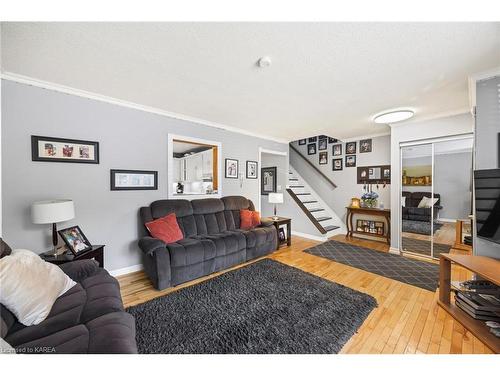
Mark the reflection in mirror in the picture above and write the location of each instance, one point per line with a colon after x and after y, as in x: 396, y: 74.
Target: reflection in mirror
x: 195, y: 168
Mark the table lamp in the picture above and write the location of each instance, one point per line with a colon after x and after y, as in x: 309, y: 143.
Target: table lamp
x: 275, y: 198
x: 52, y: 212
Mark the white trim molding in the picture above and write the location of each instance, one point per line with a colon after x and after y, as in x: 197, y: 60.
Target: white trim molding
x: 309, y: 236
x: 126, y: 270
x: 394, y: 250
x: 123, y: 103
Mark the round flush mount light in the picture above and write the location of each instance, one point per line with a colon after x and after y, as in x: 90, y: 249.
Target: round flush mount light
x: 393, y: 116
x: 264, y: 62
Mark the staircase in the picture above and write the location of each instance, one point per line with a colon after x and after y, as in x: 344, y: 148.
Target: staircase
x: 323, y: 217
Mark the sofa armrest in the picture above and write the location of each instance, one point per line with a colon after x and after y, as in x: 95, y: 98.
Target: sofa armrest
x: 149, y: 245
x: 266, y: 222
x: 80, y: 269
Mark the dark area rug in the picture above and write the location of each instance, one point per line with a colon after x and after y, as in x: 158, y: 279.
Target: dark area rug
x: 420, y: 227
x: 410, y: 271
x: 266, y: 307
x: 424, y: 247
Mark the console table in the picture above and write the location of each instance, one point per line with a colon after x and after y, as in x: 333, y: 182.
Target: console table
x: 384, y: 212
x: 96, y: 252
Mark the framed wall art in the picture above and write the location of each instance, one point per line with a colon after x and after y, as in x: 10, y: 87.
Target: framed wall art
x: 337, y: 164
x: 350, y: 161
x: 75, y: 239
x: 252, y: 169
x: 337, y: 149
x: 311, y: 149
x: 302, y: 142
x: 64, y: 150
x: 323, y: 157
x: 268, y: 180
x: 231, y: 168
x: 365, y: 145
x: 350, y: 148
x: 126, y: 179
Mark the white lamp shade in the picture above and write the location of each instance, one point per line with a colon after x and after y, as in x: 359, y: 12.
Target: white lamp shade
x: 275, y: 197
x: 54, y: 211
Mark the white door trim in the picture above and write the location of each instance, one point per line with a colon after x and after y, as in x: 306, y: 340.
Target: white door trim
x: 265, y: 151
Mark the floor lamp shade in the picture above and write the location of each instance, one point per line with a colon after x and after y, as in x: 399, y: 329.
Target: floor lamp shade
x: 53, y: 211
x: 275, y: 198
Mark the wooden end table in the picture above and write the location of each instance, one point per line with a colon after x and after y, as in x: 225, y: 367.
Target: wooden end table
x: 384, y: 212
x: 97, y: 253
x: 282, y: 221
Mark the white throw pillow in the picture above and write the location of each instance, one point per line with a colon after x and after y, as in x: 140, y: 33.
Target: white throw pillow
x: 29, y: 286
x: 427, y: 202
x: 403, y: 201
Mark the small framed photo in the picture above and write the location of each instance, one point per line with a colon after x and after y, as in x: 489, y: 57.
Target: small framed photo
x: 269, y: 180
x: 386, y: 173
x: 312, y: 139
x: 337, y: 149
x: 126, y: 179
x: 322, y: 137
x: 323, y: 157
x: 311, y: 149
x: 302, y: 142
x: 365, y: 145
x: 252, y: 169
x: 332, y: 140
x: 323, y: 144
x: 281, y: 235
x: 231, y: 168
x: 350, y: 161
x: 337, y: 164
x: 75, y: 239
x: 64, y: 150
x: 350, y: 148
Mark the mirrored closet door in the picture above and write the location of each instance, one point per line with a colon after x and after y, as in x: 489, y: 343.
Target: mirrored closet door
x: 436, y: 193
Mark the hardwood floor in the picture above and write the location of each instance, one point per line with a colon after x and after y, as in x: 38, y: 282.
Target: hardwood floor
x: 407, y: 320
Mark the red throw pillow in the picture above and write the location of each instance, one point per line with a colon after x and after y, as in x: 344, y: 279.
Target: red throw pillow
x: 249, y: 219
x: 165, y: 229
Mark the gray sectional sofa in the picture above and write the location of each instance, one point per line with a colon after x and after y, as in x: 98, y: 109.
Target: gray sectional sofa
x: 88, y: 318
x: 213, y: 240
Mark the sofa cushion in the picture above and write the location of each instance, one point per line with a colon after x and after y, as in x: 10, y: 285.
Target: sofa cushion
x: 112, y: 333
x: 190, y: 251
x: 258, y: 236
x: 70, y: 340
x: 232, y: 207
x: 165, y: 228
x: 7, y: 320
x: 227, y: 242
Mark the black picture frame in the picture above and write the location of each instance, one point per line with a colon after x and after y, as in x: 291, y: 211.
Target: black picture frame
x: 350, y: 161
x: 302, y: 142
x: 311, y: 149
x: 337, y: 164
x: 281, y: 235
x: 233, y: 176
x: 35, y: 154
x: 350, y: 148
x: 323, y: 157
x: 365, y: 145
x: 323, y: 144
x: 114, y: 172
x: 312, y: 139
x: 65, y: 235
x: 267, y: 186
x: 322, y: 136
x: 332, y: 140
x: 337, y: 149
x: 249, y: 162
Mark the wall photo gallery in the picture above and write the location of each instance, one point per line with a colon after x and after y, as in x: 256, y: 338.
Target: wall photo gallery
x: 64, y: 150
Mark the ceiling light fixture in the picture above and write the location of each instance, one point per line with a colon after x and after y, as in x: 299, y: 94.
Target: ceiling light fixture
x: 393, y: 116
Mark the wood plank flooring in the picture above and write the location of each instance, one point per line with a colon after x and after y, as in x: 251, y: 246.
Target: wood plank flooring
x: 407, y: 320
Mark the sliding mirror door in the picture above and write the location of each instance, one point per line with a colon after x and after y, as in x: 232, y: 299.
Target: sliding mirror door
x: 416, y: 185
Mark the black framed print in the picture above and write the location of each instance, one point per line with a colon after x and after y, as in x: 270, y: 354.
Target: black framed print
x: 75, y: 239
x: 312, y: 139
x: 323, y: 157
x: 311, y: 149
x: 350, y: 148
x: 350, y: 161
x: 332, y: 140
x: 231, y: 168
x: 337, y: 164
x: 302, y: 142
x: 337, y: 149
x: 365, y: 145
x: 252, y: 169
x: 322, y: 137
x: 64, y: 150
x: 268, y: 180
x: 128, y: 179
x: 323, y: 144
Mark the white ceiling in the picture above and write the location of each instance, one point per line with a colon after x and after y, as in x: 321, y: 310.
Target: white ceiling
x: 326, y: 78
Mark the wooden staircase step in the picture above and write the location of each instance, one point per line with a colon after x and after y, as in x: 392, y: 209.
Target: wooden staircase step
x: 317, y: 210
x: 305, y: 202
x: 329, y: 228
x: 324, y: 218
x: 297, y: 186
x: 302, y: 194
x: 293, y: 179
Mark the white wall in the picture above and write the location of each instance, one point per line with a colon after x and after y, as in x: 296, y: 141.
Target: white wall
x: 441, y: 127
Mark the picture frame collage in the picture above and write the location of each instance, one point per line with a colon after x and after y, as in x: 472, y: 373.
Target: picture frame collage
x: 231, y: 169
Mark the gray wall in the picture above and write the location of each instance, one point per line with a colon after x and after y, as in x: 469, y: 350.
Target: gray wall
x: 346, y: 180
x: 486, y: 138
x: 128, y: 139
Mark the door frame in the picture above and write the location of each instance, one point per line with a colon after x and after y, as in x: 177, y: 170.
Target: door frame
x: 265, y: 151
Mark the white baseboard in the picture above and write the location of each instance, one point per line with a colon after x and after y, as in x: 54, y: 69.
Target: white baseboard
x: 309, y: 236
x: 445, y: 220
x: 125, y: 270
x: 394, y: 250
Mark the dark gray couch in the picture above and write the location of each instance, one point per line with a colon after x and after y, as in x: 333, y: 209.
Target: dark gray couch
x: 411, y: 211
x: 213, y: 240
x: 88, y: 318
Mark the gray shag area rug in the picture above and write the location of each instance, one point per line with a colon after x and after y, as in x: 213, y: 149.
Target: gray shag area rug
x: 420, y: 227
x: 410, y: 271
x: 265, y: 307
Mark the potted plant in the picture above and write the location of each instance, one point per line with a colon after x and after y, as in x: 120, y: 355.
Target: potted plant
x: 369, y: 199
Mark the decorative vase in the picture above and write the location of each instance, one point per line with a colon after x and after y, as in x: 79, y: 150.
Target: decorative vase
x: 370, y: 203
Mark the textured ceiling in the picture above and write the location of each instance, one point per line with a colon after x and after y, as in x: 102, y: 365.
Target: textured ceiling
x: 326, y: 78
